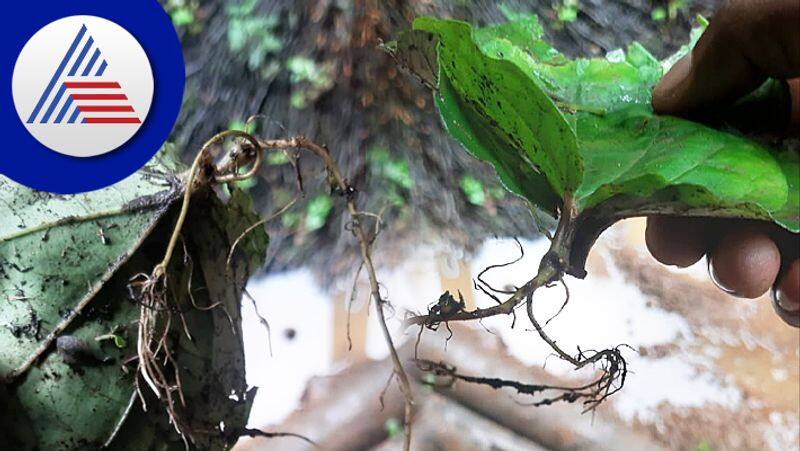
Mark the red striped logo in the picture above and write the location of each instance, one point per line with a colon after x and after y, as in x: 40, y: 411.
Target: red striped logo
x: 102, y: 97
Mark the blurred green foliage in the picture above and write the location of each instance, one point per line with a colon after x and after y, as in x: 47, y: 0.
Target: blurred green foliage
x: 383, y: 165
x: 309, y: 80
x: 184, y: 14
x: 658, y: 14
x: 252, y: 36
x: 568, y: 10
x: 473, y: 189
x: 395, y: 171
x: 393, y: 427
x: 674, y: 7
x: 317, y: 212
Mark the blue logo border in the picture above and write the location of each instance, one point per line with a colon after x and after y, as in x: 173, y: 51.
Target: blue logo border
x: 30, y: 163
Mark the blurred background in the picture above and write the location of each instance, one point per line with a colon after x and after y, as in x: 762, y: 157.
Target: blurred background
x: 707, y: 372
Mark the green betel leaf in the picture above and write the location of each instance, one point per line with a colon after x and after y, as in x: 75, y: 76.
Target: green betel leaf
x: 515, y: 171
x: 514, y: 111
x: 506, y: 95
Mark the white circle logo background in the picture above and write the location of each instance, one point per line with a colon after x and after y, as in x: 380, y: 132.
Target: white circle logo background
x: 127, y: 64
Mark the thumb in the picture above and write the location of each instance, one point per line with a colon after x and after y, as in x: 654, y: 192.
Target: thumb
x: 747, y: 42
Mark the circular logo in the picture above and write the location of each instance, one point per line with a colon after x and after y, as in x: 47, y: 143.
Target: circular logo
x: 82, y: 86
x: 89, y: 91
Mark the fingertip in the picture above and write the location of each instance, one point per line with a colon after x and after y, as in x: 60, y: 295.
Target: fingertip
x: 674, y: 241
x: 745, y: 263
x: 787, y: 295
x: 669, y: 93
x: 788, y: 288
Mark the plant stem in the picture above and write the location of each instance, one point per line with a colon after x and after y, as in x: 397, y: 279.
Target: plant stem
x: 550, y: 269
x: 366, y: 256
x: 161, y: 268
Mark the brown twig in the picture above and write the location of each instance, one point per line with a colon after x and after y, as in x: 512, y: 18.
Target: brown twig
x: 225, y: 174
x: 351, y: 299
x: 343, y: 188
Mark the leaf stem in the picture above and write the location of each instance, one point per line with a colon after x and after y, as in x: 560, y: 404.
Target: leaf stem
x: 161, y: 268
x: 70, y: 220
x: 551, y: 268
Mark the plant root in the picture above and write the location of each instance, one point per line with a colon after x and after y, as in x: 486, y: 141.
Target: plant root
x: 155, y: 320
x: 613, y: 367
x: 341, y: 187
x: 234, y: 434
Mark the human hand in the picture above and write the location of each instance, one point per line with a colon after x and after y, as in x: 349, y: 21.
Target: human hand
x: 747, y: 42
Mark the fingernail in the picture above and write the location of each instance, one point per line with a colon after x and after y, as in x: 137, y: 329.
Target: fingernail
x: 677, y: 73
x: 784, y: 302
x: 668, y: 88
x: 712, y: 274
